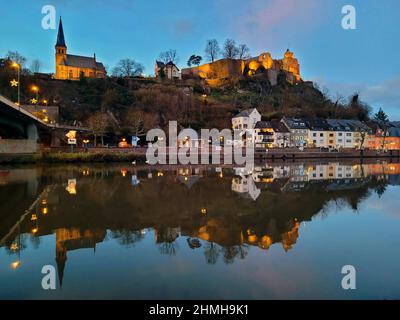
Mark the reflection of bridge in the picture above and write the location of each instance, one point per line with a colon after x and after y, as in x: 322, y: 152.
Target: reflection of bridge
x: 20, y: 130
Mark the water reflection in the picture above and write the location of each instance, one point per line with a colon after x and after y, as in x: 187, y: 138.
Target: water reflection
x: 221, y: 212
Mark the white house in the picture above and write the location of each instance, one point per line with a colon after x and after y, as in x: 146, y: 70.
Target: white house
x: 246, y: 187
x: 318, y: 134
x: 245, y: 122
x: 264, y: 136
x: 246, y: 119
x: 281, y: 134
x: 169, y: 70
x: 299, y: 132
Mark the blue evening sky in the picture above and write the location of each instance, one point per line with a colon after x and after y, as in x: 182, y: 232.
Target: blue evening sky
x: 343, y: 61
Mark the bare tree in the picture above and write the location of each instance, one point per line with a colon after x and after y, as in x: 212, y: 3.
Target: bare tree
x: 243, y: 51
x: 212, y: 50
x: 98, y: 124
x: 135, y: 121
x: 16, y: 57
x: 127, y: 68
x: 169, y: 56
x: 35, y: 66
x: 230, y: 49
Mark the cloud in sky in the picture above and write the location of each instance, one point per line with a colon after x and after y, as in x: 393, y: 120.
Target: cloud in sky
x: 385, y: 94
x: 263, y: 18
x: 183, y: 27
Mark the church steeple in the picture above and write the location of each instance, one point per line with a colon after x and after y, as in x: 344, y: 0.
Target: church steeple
x: 60, y: 36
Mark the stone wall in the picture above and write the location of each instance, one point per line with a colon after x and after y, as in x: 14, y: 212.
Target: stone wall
x: 217, y: 72
x: 17, y: 146
x: 221, y: 69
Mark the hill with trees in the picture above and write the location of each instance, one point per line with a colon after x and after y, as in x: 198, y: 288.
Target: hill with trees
x: 127, y: 103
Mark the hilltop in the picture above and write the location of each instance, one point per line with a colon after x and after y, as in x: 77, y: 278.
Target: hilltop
x: 144, y: 103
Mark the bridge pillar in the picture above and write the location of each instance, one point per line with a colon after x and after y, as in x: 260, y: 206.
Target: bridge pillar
x: 32, y: 132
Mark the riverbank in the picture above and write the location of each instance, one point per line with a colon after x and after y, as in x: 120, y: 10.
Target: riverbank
x: 76, y: 157
x: 106, y: 155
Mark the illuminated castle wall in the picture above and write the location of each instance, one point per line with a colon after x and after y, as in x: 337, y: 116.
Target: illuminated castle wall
x: 215, y: 72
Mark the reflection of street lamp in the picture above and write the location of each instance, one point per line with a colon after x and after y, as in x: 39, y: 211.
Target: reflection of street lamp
x: 18, y: 67
x: 15, y: 264
x: 16, y: 247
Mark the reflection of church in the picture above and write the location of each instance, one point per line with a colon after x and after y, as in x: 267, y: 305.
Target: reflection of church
x: 73, y: 239
x: 209, y: 212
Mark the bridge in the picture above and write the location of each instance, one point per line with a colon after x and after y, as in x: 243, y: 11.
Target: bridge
x: 20, y: 130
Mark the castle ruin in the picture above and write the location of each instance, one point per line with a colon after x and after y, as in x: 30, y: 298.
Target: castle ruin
x: 214, y: 73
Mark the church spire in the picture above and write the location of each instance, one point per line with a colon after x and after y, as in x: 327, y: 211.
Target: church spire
x: 60, y: 36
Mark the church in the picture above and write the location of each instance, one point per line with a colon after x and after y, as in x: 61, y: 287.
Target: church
x: 73, y: 67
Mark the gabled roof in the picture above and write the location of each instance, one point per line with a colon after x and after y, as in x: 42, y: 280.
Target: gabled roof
x: 294, y: 123
x: 245, y: 113
x: 395, y: 124
x: 171, y: 64
x: 347, y: 125
x: 318, y: 124
x: 60, y: 36
x: 160, y: 64
x: 263, y: 125
x: 394, y: 132
x: 83, y: 62
x: 278, y: 126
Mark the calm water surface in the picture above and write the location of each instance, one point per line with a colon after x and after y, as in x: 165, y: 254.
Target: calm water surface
x: 269, y: 232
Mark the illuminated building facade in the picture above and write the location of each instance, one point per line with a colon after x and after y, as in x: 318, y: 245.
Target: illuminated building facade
x: 73, y: 67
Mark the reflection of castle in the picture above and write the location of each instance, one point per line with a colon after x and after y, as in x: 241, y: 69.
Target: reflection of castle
x: 73, y: 239
x: 285, y: 194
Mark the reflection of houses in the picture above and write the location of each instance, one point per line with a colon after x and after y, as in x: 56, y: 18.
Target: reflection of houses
x: 246, y: 187
x: 189, y: 175
x: 73, y: 239
x: 189, y: 142
x: 334, y: 171
x: 167, y: 234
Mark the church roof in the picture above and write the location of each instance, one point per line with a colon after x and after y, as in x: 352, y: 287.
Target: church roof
x: 60, y: 36
x: 82, y: 62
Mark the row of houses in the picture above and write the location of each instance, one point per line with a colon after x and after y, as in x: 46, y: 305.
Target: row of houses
x: 317, y: 133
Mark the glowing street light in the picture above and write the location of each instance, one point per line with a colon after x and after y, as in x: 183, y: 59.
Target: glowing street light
x: 34, y: 101
x: 15, y: 264
x: 17, y: 66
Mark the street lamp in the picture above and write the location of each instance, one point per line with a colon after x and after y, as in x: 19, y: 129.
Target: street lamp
x: 36, y: 90
x: 18, y: 67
